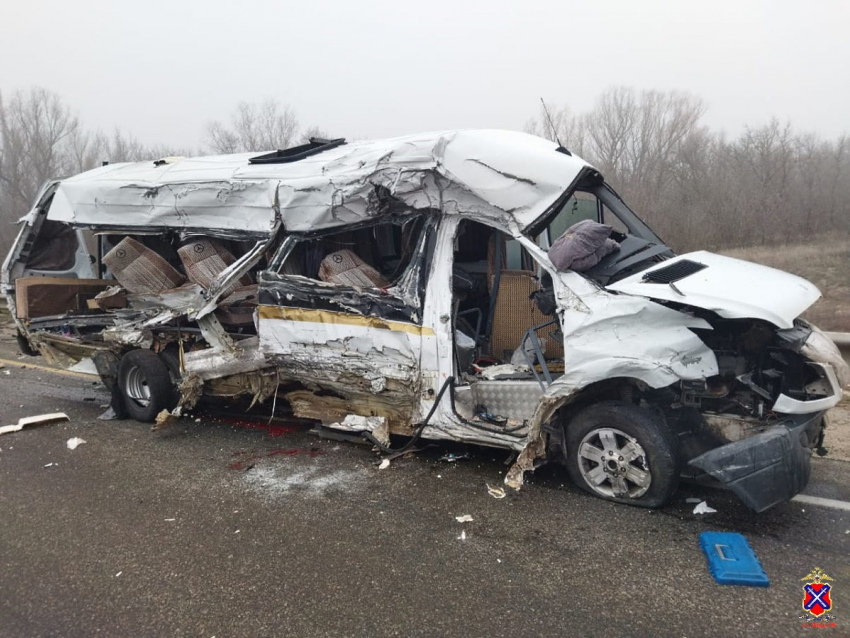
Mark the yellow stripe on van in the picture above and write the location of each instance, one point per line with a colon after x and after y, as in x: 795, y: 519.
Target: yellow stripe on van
x: 340, y: 318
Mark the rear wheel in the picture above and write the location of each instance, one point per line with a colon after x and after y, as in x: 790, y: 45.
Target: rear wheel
x: 145, y: 385
x: 623, y: 453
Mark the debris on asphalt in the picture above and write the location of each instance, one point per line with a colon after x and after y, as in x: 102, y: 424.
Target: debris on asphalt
x: 163, y: 420
x: 462, y: 536
x: 118, y: 574
x: 109, y: 415
x: 693, y: 500
x: 703, y: 508
x: 41, y: 419
x: 74, y: 442
x: 169, y: 520
x: 495, y: 492
x: 451, y: 457
x: 51, y: 464
x: 6, y: 372
x: 731, y: 560
x: 466, y: 518
x: 384, y: 464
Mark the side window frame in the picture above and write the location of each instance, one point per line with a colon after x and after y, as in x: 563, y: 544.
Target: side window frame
x: 403, y: 299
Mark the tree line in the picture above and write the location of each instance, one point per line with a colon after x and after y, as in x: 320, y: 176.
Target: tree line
x: 694, y: 186
x: 698, y: 189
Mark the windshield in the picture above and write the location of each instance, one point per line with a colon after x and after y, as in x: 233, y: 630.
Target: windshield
x: 638, y: 247
x: 600, y: 204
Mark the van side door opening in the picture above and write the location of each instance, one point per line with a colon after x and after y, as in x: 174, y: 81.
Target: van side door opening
x: 496, y: 324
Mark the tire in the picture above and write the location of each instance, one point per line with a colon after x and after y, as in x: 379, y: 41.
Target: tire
x: 145, y: 385
x: 623, y: 453
x: 171, y: 357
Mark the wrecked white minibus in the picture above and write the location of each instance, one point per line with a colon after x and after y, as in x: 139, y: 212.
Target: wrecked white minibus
x: 407, y: 287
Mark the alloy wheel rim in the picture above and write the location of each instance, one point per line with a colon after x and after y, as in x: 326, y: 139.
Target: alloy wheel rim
x: 614, y: 464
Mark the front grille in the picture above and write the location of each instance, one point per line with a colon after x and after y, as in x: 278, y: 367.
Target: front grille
x: 673, y: 272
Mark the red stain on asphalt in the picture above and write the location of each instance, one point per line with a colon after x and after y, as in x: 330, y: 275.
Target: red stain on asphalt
x: 272, y: 430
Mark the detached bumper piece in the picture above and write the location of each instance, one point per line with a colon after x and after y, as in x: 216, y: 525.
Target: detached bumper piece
x: 768, y: 468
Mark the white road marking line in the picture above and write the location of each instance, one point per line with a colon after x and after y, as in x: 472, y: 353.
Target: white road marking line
x: 824, y: 502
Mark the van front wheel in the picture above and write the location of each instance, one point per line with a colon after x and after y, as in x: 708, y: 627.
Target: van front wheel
x: 623, y: 453
x: 145, y: 384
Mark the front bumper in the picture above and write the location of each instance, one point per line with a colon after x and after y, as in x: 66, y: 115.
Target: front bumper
x: 786, y: 405
x: 768, y: 468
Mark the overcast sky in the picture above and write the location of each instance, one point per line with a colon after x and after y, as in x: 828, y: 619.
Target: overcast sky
x: 162, y: 69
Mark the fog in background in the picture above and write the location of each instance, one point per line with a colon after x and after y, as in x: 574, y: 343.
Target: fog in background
x: 162, y: 69
x: 722, y: 123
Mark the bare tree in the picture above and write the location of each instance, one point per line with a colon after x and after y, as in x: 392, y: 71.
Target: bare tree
x: 34, y: 127
x: 314, y: 131
x: 254, y: 127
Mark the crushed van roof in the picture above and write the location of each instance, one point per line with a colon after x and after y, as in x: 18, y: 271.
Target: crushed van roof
x: 486, y: 173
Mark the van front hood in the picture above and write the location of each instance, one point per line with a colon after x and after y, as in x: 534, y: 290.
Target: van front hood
x: 732, y: 288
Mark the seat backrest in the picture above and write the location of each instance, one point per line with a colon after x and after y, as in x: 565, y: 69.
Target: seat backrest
x: 204, y: 260
x: 346, y: 268
x: 139, y: 269
x: 515, y: 313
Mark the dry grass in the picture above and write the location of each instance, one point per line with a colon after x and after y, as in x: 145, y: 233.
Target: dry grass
x: 823, y: 261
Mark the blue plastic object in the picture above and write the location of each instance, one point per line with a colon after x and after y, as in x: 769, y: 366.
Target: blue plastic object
x: 731, y: 560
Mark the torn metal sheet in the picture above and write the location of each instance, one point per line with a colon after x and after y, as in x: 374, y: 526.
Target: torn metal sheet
x: 375, y: 425
x: 485, y: 173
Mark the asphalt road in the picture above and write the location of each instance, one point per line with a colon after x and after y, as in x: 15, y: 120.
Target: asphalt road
x: 222, y: 527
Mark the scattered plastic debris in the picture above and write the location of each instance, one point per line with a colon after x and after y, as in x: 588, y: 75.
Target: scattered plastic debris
x: 384, y: 464
x: 164, y: 419
x: 451, y: 457
x: 41, y: 419
x: 6, y: 372
x: 109, y: 415
x: 703, y: 508
x: 495, y: 492
x: 74, y: 442
x: 462, y: 536
x: 170, y: 520
x: 466, y: 518
x: 237, y: 531
x: 731, y: 560
x: 51, y: 464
